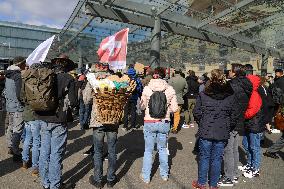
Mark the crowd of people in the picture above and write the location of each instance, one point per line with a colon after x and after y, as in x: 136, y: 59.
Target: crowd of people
x: 42, y: 99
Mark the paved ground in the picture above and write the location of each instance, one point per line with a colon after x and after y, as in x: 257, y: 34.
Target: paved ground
x: 78, y: 168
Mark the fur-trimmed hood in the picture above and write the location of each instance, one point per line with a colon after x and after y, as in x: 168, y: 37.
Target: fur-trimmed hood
x: 219, y: 91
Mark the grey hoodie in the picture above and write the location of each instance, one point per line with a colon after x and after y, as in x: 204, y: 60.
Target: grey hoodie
x: 12, y: 91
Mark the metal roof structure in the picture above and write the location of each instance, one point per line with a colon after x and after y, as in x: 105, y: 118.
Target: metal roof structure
x: 255, y: 26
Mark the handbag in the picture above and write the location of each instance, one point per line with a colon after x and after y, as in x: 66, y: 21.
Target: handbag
x: 279, y: 120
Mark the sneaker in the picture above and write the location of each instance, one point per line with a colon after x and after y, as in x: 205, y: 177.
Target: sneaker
x: 197, y: 186
x: 25, y: 165
x: 165, y: 179
x: 251, y: 173
x: 185, y: 126
x: 106, y: 157
x: 236, y: 180
x: 124, y: 129
x: 174, y: 131
x: 244, y: 168
x: 226, y: 182
x: 145, y: 181
x: 35, y: 172
x: 271, y: 155
x: 88, y: 152
x: 110, y: 184
x: 94, y: 183
x: 275, y: 131
x: 191, y: 125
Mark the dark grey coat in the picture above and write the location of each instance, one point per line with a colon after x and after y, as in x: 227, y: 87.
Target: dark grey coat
x: 216, y: 112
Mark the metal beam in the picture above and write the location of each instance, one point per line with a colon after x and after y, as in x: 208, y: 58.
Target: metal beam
x: 224, y: 12
x: 78, y: 32
x: 257, y: 23
x: 172, y: 17
x: 163, y: 9
x: 186, y: 29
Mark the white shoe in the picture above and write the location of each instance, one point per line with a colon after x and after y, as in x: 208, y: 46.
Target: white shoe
x: 191, y: 125
x: 251, y: 173
x: 275, y: 131
x: 244, y: 168
x: 185, y: 126
x: 124, y: 129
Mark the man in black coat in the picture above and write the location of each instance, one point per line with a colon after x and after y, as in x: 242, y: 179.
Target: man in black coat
x: 279, y: 144
x: 191, y: 95
x: 54, y: 129
x: 279, y: 80
x: 242, y: 89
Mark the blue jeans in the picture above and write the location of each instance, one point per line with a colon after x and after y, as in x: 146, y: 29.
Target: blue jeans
x: 156, y: 133
x: 210, y: 158
x: 84, y: 113
x: 251, y: 145
x: 32, y: 137
x: 98, y: 136
x: 53, y: 145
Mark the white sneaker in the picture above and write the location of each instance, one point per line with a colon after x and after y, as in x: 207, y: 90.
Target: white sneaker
x: 244, y: 168
x: 236, y: 180
x: 191, y: 125
x: 275, y: 131
x: 124, y: 129
x: 185, y: 126
x: 251, y: 173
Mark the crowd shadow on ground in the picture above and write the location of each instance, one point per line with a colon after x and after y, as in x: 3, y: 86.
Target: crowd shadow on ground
x: 2, y: 123
x: 8, y: 166
x: 81, y: 169
x: 131, y: 147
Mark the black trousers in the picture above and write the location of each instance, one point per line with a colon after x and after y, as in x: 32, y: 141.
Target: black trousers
x: 130, y: 109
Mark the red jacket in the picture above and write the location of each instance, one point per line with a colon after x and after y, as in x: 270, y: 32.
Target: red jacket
x: 255, y: 101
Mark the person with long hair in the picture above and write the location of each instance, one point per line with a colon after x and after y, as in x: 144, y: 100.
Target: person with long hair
x: 156, y: 129
x: 216, y: 115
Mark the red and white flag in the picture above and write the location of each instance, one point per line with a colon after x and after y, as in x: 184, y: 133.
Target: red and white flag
x: 113, y: 50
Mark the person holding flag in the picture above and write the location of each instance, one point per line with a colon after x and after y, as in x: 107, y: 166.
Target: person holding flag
x: 113, y: 50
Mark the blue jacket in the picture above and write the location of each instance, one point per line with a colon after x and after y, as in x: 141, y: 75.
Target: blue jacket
x: 131, y: 72
x: 12, y: 91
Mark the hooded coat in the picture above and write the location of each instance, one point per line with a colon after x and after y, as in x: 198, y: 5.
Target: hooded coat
x: 215, y: 112
x: 255, y: 113
x: 242, y: 89
x: 192, y: 87
x: 159, y: 85
x: 12, y: 91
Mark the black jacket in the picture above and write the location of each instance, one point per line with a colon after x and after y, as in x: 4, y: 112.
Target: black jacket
x: 242, y: 89
x: 65, y: 90
x: 2, y: 84
x: 279, y: 83
x: 192, y: 87
x: 258, y: 122
x: 216, y: 112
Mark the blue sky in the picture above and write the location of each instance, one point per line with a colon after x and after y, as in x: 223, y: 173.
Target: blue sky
x: 52, y: 13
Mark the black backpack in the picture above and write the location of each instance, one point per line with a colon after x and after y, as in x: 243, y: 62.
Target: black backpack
x: 158, y: 105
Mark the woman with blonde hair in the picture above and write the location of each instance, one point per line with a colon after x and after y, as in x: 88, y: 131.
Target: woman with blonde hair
x: 215, y: 113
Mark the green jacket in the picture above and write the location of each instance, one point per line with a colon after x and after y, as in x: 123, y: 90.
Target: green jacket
x: 180, y: 86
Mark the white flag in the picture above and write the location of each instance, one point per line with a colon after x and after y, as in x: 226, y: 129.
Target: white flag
x: 40, y: 53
